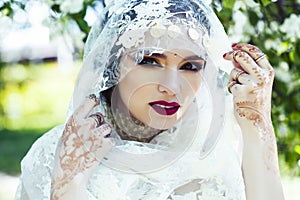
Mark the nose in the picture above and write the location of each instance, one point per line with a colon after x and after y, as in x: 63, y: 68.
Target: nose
x: 164, y: 89
x: 170, y: 83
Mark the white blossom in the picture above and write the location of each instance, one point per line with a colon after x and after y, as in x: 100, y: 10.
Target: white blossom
x: 282, y: 72
x: 251, y: 3
x: 6, y: 25
x: 291, y: 27
x: 71, y: 6
x: 75, y: 32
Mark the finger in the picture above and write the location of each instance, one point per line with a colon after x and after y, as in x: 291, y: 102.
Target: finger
x: 84, y: 109
x: 258, y: 56
x: 229, y: 56
x: 94, y: 135
x: 258, y: 75
x: 97, y: 119
x: 102, y: 148
x: 230, y: 85
x: 240, y: 76
x: 241, y: 91
x: 246, y: 62
x: 236, y: 57
x: 103, y: 130
x: 245, y: 79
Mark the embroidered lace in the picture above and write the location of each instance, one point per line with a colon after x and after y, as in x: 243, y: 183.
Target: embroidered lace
x: 198, y: 158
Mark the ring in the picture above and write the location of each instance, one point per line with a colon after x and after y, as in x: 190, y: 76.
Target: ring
x: 229, y: 86
x: 238, y: 75
x: 98, y: 117
x: 234, y: 55
x: 92, y: 97
x: 260, y: 57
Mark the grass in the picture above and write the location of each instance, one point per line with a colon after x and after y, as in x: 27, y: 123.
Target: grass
x: 14, y: 146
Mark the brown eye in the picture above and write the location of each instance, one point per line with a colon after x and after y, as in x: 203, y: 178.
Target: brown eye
x: 192, y: 66
x: 149, y: 61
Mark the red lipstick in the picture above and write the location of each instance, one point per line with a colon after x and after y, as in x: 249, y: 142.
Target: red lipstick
x: 164, y: 107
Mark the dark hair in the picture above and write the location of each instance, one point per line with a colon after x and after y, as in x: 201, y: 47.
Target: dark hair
x: 105, y: 96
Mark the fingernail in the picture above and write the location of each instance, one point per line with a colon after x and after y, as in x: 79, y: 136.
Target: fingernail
x: 224, y: 55
x: 234, y: 44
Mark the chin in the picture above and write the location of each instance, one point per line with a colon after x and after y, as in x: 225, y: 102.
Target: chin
x: 162, y: 122
x: 161, y: 126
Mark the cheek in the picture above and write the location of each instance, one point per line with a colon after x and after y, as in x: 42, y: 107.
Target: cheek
x: 193, y: 83
x: 138, y: 101
x: 135, y: 90
x: 130, y: 83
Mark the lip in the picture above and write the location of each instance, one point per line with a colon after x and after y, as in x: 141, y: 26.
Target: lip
x: 164, y: 107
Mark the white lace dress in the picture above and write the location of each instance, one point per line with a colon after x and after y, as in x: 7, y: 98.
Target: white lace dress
x: 217, y: 176
x: 190, y: 177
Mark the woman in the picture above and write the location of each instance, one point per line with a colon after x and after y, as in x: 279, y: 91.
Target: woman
x: 151, y: 117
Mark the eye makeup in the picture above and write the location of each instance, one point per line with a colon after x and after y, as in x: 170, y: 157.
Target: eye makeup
x: 161, y: 58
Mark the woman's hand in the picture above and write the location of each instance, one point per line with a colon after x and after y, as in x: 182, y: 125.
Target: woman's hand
x: 81, y: 148
x: 251, y: 83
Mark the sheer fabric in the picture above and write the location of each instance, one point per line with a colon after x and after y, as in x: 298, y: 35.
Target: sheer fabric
x: 199, y: 157
x: 218, y: 176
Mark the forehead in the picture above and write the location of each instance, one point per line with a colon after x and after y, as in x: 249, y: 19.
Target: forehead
x: 159, y: 38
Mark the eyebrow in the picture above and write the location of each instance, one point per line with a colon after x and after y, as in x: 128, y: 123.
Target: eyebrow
x: 158, y: 55
x: 163, y: 56
x: 194, y: 57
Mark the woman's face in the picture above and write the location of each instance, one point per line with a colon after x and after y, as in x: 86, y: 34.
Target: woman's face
x: 158, y: 88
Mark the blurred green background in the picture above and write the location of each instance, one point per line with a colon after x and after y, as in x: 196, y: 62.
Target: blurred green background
x: 34, y: 98
x: 41, y: 45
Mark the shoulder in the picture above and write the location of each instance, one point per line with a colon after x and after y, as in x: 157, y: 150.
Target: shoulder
x: 37, y: 165
x: 43, y: 147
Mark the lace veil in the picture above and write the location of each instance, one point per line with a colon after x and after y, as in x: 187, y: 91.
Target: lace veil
x: 170, y: 24
x: 123, y: 27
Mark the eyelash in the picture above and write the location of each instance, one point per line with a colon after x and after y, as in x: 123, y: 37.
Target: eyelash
x: 195, y: 67
x: 149, y: 61
x: 189, y: 66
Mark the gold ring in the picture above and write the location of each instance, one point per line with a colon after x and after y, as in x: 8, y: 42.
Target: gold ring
x: 234, y: 55
x: 98, y: 117
x: 229, y: 86
x: 239, y: 74
x: 260, y: 57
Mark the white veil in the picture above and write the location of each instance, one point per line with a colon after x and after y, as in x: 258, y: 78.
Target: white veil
x: 123, y: 26
x: 105, y: 45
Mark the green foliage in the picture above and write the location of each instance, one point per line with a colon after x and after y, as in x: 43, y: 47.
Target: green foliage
x: 26, y: 106
x: 270, y: 31
x: 228, y: 3
x: 28, y: 92
x: 14, y: 146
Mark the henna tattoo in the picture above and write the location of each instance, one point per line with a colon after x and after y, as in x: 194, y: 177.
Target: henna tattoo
x: 271, y: 158
x: 266, y: 134
x: 250, y: 111
x: 257, y: 109
x: 247, y: 59
x: 252, y: 103
x: 77, y: 154
x: 254, y: 49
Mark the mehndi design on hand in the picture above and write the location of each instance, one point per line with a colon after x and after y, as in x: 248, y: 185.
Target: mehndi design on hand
x: 81, y: 148
x: 251, y: 85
